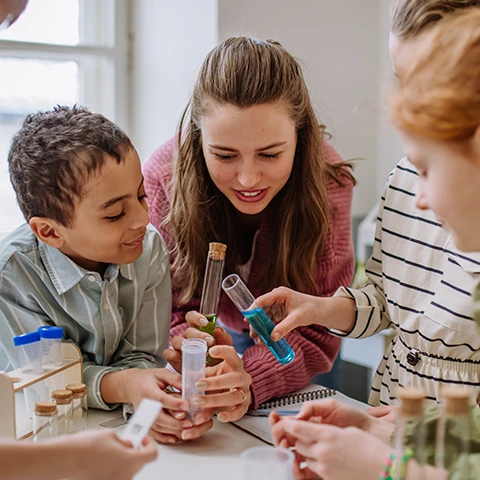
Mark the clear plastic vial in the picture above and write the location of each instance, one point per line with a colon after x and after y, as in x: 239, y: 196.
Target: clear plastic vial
x: 63, y: 399
x: 194, y: 351
x: 79, y: 406
x: 452, y: 445
x: 51, y: 345
x: 410, y: 432
x: 45, y: 423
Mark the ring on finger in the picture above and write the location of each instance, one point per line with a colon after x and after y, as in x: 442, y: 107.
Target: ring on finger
x: 244, y: 397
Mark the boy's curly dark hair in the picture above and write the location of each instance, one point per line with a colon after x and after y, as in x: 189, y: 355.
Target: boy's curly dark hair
x: 53, y: 155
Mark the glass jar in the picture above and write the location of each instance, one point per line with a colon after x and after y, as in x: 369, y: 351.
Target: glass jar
x: 63, y: 399
x: 45, y: 423
x: 79, y: 406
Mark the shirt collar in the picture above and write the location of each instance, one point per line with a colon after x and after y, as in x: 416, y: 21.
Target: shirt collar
x: 65, y: 273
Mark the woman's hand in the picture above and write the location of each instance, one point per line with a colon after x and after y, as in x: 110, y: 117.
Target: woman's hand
x: 332, y: 412
x: 384, y: 412
x: 226, y: 386
x: 194, y: 319
x: 300, y: 310
x: 334, y: 453
x: 96, y: 455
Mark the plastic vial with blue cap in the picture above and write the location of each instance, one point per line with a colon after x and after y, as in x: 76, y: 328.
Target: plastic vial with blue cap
x: 51, y: 344
x: 256, y: 317
x: 28, y: 353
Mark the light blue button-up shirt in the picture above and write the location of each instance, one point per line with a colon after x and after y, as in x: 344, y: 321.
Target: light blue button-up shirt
x: 119, y: 321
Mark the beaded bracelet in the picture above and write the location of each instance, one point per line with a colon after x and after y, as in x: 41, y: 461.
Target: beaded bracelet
x: 388, y: 470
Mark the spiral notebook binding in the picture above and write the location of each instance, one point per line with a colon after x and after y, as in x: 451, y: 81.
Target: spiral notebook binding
x: 297, y: 398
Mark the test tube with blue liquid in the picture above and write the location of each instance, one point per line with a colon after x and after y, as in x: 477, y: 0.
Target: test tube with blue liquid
x: 256, y: 317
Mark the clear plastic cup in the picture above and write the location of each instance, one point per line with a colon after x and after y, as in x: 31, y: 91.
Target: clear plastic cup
x: 28, y: 351
x: 194, y: 352
x: 267, y: 463
x: 51, y: 344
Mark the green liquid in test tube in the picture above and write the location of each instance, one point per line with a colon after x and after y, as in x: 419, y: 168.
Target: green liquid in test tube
x: 212, y: 286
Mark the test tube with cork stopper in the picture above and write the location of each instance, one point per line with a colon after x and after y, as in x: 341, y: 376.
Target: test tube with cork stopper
x: 212, y: 285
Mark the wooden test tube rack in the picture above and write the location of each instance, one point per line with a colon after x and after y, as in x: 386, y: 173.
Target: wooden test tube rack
x: 19, y: 427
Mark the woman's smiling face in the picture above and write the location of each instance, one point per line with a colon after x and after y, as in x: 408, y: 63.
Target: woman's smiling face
x: 249, y: 152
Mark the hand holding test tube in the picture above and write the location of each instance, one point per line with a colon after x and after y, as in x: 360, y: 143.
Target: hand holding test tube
x: 256, y: 317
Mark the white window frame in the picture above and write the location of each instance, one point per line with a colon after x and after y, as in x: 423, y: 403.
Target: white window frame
x: 107, y: 92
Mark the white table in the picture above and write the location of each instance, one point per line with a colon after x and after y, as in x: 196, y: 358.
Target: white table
x: 214, y: 456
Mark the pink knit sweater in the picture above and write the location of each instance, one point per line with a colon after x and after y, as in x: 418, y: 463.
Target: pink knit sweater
x: 315, y: 349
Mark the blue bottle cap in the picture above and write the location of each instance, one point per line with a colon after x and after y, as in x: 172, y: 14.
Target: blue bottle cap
x: 50, y: 332
x: 26, y: 339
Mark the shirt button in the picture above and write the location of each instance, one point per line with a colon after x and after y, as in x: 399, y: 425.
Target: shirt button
x: 413, y: 357
x: 106, y: 307
x: 91, y: 278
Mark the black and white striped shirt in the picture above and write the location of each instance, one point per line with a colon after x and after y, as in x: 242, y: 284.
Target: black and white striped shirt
x: 420, y: 285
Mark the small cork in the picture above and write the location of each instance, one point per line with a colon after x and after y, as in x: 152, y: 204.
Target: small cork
x: 457, y: 400
x: 45, y: 407
x: 411, y: 401
x: 62, y: 397
x: 76, y: 388
x: 217, y: 251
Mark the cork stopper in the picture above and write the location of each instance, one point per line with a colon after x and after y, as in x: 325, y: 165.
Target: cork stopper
x: 457, y: 400
x: 62, y: 397
x: 76, y: 388
x: 45, y: 407
x: 411, y: 401
x: 217, y: 251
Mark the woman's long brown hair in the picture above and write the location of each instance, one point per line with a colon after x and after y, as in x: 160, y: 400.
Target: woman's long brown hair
x: 243, y: 72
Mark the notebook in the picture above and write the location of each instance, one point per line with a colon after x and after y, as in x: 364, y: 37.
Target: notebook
x: 256, y: 422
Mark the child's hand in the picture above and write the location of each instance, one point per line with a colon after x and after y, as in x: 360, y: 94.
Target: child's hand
x: 227, y: 385
x: 171, y: 423
x: 111, y: 457
x: 174, y: 355
x: 325, y: 447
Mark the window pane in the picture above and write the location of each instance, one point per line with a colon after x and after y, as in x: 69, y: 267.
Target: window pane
x: 65, y: 22
x: 46, y: 21
x: 29, y: 86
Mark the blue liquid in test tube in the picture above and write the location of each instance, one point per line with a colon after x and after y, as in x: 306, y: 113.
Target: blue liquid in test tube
x: 257, y: 318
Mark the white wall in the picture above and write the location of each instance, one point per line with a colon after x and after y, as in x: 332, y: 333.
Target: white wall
x: 170, y: 41
x: 336, y: 43
x: 389, y: 149
x: 342, y: 46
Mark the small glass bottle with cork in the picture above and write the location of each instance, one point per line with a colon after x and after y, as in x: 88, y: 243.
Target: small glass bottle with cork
x: 452, y: 445
x: 45, y: 423
x: 63, y: 399
x: 79, y: 406
x: 410, y: 435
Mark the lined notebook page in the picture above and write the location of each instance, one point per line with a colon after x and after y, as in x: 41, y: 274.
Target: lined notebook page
x: 260, y: 428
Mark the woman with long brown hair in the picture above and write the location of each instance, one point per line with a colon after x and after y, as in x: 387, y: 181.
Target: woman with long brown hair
x: 250, y: 167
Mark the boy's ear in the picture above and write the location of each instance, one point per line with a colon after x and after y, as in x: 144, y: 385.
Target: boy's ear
x: 47, y: 231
